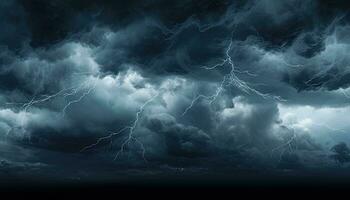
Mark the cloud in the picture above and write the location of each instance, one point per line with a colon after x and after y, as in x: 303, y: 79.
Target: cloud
x: 80, y: 71
x: 180, y: 140
x: 15, y: 30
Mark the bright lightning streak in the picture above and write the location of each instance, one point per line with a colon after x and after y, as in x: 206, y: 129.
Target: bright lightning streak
x: 130, y: 136
x: 244, y: 86
x: 84, y: 94
x: 285, y: 146
x: 132, y: 129
x: 66, y: 92
x: 101, y: 139
x: 211, y: 98
x: 85, y: 88
x: 230, y: 79
x: 288, y: 144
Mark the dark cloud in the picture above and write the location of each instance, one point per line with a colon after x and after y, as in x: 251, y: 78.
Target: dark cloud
x: 180, y: 140
x: 191, y: 84
x: 53, y: 21
x: 341, y: 153
x: 14, y: 28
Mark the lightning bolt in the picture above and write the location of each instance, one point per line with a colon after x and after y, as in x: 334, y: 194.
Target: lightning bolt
x: 80, y: 91
x: 66, y: 92
x: 130, y: 137
x: 230, y: 79
x: 285, y: 146
x: 288, y: 144
x: 211, y: 98
x: 81, y: 97
x: 132, y: 129
x: 86, y: 87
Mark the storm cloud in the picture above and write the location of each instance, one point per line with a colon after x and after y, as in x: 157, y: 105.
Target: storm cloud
x: 172, y: 85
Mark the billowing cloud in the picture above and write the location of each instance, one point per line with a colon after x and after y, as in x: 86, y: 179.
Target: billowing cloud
x: 190, y: 84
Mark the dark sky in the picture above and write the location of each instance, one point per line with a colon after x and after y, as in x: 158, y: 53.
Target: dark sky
x: 103, y: 90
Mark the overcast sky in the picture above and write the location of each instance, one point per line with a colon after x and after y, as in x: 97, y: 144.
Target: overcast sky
x: 89, y: 89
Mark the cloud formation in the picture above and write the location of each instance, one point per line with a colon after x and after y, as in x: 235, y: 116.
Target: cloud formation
x: 191, y: 83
